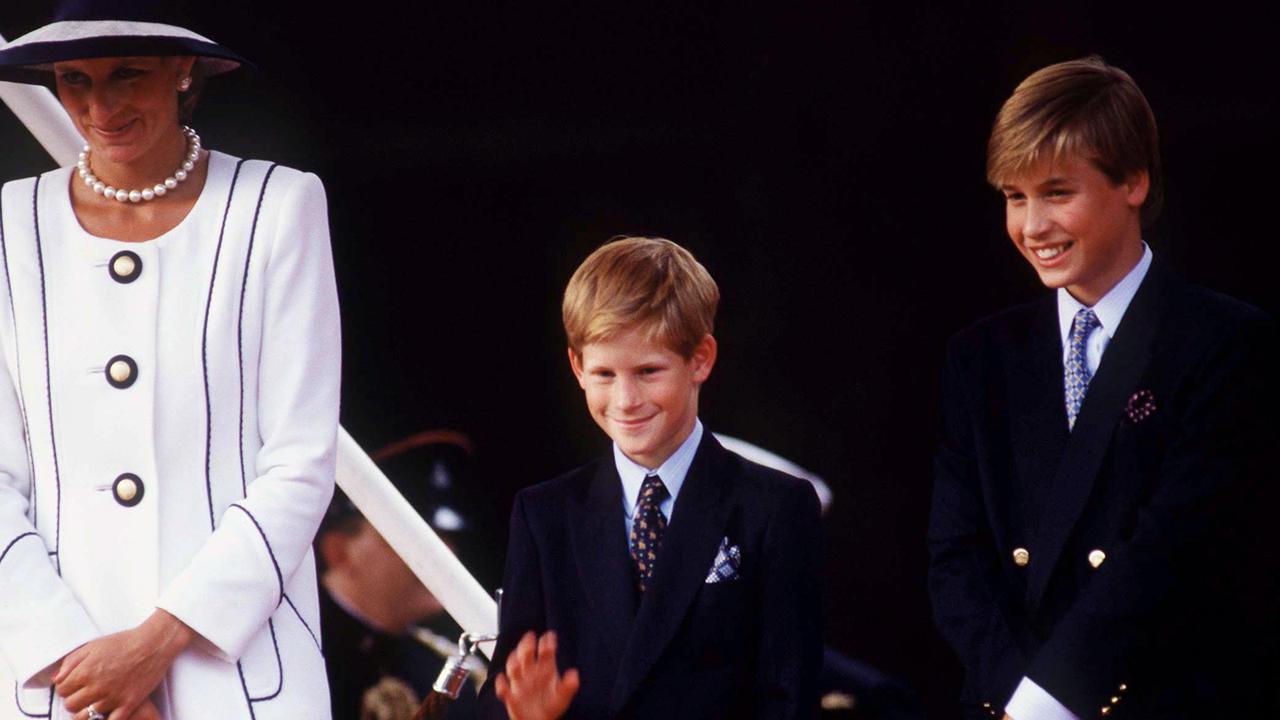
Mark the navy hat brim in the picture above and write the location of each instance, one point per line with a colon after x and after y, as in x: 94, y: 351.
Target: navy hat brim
x: 29, y: 59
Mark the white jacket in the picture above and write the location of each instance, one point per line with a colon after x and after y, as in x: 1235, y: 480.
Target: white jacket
x: 168, y: 423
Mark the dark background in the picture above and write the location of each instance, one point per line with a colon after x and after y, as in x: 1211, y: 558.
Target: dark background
x: 823, y: 160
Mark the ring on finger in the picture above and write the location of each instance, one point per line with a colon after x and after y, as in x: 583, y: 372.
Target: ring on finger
x: 94, y: 714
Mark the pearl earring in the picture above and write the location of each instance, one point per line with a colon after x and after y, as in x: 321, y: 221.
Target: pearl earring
x: 185, y: 84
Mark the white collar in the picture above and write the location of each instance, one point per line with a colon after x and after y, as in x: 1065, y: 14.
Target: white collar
x: 1111, y: 308
x: 672, y: 471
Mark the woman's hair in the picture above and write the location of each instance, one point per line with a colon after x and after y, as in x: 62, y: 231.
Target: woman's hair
x: 1081, y: 107
x: 640, y: 282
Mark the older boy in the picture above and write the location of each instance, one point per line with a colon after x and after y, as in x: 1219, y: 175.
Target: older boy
x: 675, y: 578
x: 1101, y: 445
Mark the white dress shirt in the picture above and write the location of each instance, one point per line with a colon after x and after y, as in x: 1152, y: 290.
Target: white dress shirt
x: 1110, y: 310
x: 1030, y: 701
x: 672, y: 471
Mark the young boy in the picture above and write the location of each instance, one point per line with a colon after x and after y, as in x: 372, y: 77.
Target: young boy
x: 1102, y: 445
x: 672, y: 578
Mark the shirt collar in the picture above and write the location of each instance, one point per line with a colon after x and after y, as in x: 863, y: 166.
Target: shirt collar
x: 1111, y: 308
x: 672, y: 471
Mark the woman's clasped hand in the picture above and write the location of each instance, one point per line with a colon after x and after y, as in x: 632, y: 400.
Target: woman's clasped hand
x: 117, y: 673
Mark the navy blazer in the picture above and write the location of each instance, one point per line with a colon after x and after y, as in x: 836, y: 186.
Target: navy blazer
x: 744, y: 648
x: 1117, y: 565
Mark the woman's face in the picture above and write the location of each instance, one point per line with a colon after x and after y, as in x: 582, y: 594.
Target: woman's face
x: 125, y: 107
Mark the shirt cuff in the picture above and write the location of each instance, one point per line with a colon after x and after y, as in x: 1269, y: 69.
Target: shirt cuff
x: 1032, y: 702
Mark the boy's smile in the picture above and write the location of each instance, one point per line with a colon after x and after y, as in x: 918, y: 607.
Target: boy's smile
x: 641, y: 393
x: 1076, y: 227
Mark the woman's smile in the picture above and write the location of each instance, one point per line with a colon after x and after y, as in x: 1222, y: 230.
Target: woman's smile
x: 113, y: 131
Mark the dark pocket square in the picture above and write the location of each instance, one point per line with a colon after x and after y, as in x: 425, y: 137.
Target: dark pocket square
x: 1141, y: 406
x: 728, y: 560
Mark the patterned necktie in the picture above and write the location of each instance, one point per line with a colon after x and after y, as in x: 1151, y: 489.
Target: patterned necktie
x: 647, y: 527
x: 1076, y: 371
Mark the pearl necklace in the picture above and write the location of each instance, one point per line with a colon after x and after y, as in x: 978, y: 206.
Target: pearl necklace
x: 151, y: 193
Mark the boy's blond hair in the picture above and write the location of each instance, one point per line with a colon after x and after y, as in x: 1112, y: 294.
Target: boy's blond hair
x: 1083, y: 107
x: 640, y: 282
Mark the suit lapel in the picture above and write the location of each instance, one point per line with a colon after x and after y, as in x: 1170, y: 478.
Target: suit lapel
x: 1038, y: 417
x: 1122, y: 366
x: 688, y: 551
x: 604, y: 564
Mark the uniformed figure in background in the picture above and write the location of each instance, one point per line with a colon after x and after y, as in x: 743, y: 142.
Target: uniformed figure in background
x: 851, y: 689
x: 385, y: 635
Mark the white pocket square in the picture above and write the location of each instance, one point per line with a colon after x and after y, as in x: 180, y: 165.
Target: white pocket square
x: 728, y: 560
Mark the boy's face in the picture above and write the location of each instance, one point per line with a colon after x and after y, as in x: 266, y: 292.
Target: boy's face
x: 643, y: 394
x: 1077, y: 228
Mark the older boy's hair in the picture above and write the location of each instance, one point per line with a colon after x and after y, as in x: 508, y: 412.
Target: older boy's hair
x: 640, y: 282
x: 1083, y: 107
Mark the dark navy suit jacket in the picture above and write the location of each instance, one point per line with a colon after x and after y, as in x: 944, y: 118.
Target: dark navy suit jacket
x: 1162, y: 482
x: 744, y: 648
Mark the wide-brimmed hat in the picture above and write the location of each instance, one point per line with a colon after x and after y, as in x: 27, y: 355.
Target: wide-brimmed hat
x: 109, y: 28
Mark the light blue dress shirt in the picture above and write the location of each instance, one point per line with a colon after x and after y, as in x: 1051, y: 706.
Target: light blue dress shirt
x: 672, y: 471
x: 1110, y: 310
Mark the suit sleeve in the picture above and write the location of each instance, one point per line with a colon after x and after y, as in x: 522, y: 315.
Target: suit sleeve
x: 522, y: 605
x: 969, y: 604
x: 791, y: 609
x: 236, y: 580
x: 1210, y: 475
x: 40, y: 619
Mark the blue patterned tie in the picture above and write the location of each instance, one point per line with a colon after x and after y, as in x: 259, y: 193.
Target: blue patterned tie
x: 646, y: 529
x: 1076, y: 371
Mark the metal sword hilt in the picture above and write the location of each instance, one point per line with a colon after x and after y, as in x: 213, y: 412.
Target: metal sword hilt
x: 456, y: 668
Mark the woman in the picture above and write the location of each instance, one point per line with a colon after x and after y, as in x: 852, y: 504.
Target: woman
x: 168, y: 399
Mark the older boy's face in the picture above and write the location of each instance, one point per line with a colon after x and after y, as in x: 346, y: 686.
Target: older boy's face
x: 643, y: 394
x: 1077, y: 228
